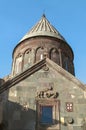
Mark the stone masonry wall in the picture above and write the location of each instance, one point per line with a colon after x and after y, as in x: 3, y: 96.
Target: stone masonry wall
x: 20, y: 109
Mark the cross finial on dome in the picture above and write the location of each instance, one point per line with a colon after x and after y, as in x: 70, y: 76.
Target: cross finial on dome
x: 43, y: 15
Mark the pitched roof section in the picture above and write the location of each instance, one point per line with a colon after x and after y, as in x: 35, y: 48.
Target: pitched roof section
x: 11, y: 82
x: 65, y: 73
x: 39, y: 65
x: 43, y: 28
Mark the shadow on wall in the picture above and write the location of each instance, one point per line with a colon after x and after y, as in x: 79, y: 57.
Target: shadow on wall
x: 2, y: 126
x: 17, y: 118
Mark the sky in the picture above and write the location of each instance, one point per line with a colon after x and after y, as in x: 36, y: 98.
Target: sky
x: 19, y: 16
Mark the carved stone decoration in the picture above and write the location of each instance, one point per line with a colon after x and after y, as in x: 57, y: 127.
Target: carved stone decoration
x: 69, y: 106
x: 46, y: 68
x: 47, y: 93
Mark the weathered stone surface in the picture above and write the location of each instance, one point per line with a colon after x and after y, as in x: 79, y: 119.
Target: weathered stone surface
x: 22, y: 97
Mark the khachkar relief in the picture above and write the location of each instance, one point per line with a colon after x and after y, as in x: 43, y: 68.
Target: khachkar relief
x: 47, y: 93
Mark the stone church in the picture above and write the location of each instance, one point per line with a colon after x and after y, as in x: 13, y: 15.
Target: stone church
x: 42, y: 92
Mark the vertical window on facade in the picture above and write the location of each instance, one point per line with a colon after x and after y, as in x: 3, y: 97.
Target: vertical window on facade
x: 46, y: 115
x: 18, y: 64
x: 65, y: 62
x: 54, y: 55
x: 71, y: 67
x: 39, y: 54
x: 27, y: 58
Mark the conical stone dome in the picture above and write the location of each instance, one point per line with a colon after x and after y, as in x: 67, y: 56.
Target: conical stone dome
x: 43, y: 40
x: 43, y: 28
